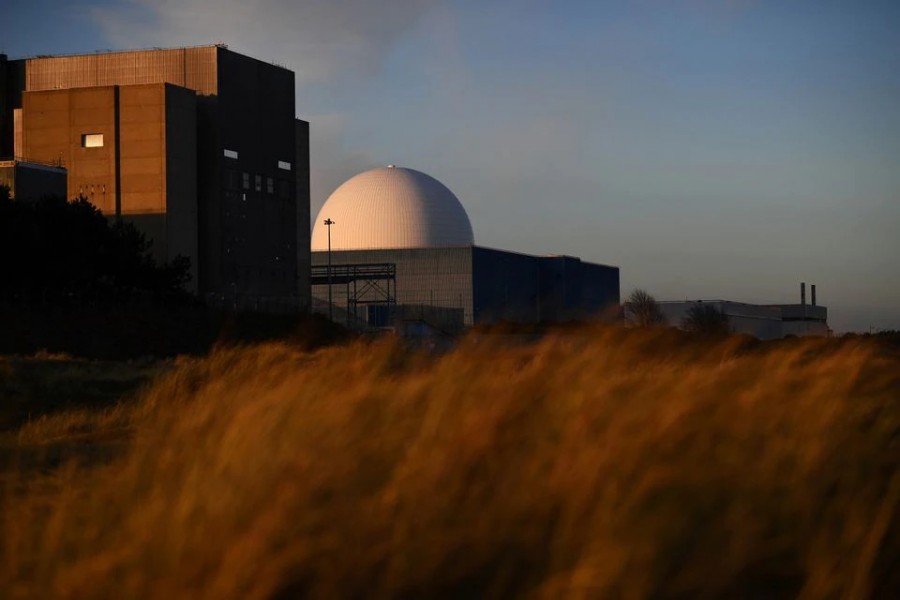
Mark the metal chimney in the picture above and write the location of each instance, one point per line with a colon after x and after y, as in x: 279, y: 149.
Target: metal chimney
x: 812, y: 294
x: 803, y: 293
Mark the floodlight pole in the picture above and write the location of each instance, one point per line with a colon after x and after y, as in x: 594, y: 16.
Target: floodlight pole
x: 328, y: 224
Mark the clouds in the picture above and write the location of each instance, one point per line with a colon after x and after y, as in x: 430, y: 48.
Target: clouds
x: 315, y: 38
x: 328, y: 44
x: 618, y: 131
x: 332, y: 161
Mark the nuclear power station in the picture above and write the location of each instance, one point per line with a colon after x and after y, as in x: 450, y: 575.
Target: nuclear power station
x: 200, y: 148
x: 423, y: 269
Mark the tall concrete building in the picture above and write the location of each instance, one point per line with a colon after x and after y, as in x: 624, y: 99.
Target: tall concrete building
x: 199, y: 147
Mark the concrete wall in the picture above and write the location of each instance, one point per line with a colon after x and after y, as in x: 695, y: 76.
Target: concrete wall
x: 52, y: 128
x: 531, y: 289
x: 250, y: 203
x: 255, y: 104
x: 764, y: 321
x: 572, y: 289
x: 192, y: 68
x: 801, y: 312
x: 804, y: 319
x: 304, y: 261
x: 145, y: 170
x: 805, y: 328
x: 182, y: 223
x: 17, y: 134
x: 600, y: 291
x: 507, y: 286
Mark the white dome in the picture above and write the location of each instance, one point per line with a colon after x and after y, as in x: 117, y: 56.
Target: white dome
x: 392, y: 207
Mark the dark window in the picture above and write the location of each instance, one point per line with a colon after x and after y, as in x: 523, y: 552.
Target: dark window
x: 246, y: 180
x: 231, y: 179
x: 259, y: 183
x: 270, y: 185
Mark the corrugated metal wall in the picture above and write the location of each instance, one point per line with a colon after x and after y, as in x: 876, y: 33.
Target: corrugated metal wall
x: 507, y: 287
x: 528, y: 289
x: 193, y: 68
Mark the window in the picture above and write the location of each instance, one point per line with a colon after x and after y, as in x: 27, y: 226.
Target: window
x: 231, y: 153
x: 259, y: 183
x: 91, y: 140
x: 285, y: 166
x: 246, y: 180
x: 270, y: 185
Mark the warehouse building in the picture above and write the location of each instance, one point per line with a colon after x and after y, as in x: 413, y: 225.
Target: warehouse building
x: 402, y: 254
x: 199, y: 147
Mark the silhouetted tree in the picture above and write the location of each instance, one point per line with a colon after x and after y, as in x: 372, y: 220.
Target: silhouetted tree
x: 706, y: 319
x: 642, y: 310
x: 55, y: 252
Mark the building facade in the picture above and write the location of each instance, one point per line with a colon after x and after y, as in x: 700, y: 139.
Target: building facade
x: 199, y: 147
x: 451, y: 288
x: 763, y: 321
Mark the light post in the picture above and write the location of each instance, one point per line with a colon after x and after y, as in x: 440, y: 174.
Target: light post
x: 328, y: 224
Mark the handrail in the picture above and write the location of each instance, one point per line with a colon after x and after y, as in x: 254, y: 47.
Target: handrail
x: 60, y: 163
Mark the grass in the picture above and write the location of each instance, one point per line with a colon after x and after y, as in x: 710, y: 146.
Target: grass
x: 595, y: 463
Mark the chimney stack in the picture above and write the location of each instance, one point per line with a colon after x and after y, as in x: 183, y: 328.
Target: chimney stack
x: 802, y: 293
x: 812, y: 294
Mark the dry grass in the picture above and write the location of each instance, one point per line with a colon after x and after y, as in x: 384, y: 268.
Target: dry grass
x: 604, y: 464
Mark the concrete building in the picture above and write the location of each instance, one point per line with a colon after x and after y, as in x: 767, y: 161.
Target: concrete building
x: 199, y: 147
x: 403, y: 254
x: 763, y: 321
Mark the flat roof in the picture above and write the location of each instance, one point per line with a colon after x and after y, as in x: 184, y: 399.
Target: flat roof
x: 126, y: 51
x: 107, y: 52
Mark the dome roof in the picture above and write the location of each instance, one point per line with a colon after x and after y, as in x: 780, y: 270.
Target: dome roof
x: 392, y: 207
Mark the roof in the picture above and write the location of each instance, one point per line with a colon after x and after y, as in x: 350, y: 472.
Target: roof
x: 392, y: 207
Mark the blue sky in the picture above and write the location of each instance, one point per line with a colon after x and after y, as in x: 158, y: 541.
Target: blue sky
x: 710, y: 148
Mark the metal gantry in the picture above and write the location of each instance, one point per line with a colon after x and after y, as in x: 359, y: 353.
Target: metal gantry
x: 364, y: 284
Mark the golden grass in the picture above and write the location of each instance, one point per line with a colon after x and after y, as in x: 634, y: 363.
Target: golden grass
x: 597, y: 464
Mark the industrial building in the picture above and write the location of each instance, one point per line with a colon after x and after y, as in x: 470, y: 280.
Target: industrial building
x: 763, y: 321
x: 199, y: 147
x: 394, y: 247
x: 30, y: 180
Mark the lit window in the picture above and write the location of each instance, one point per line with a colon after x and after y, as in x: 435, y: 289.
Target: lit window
x: 92, y: 140
x: 231, y: 153
x: 259, y: 183
x: 270, y: 185
x: 286, y: 166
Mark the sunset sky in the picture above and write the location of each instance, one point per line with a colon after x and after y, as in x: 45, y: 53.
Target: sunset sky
x: 710, y: 148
